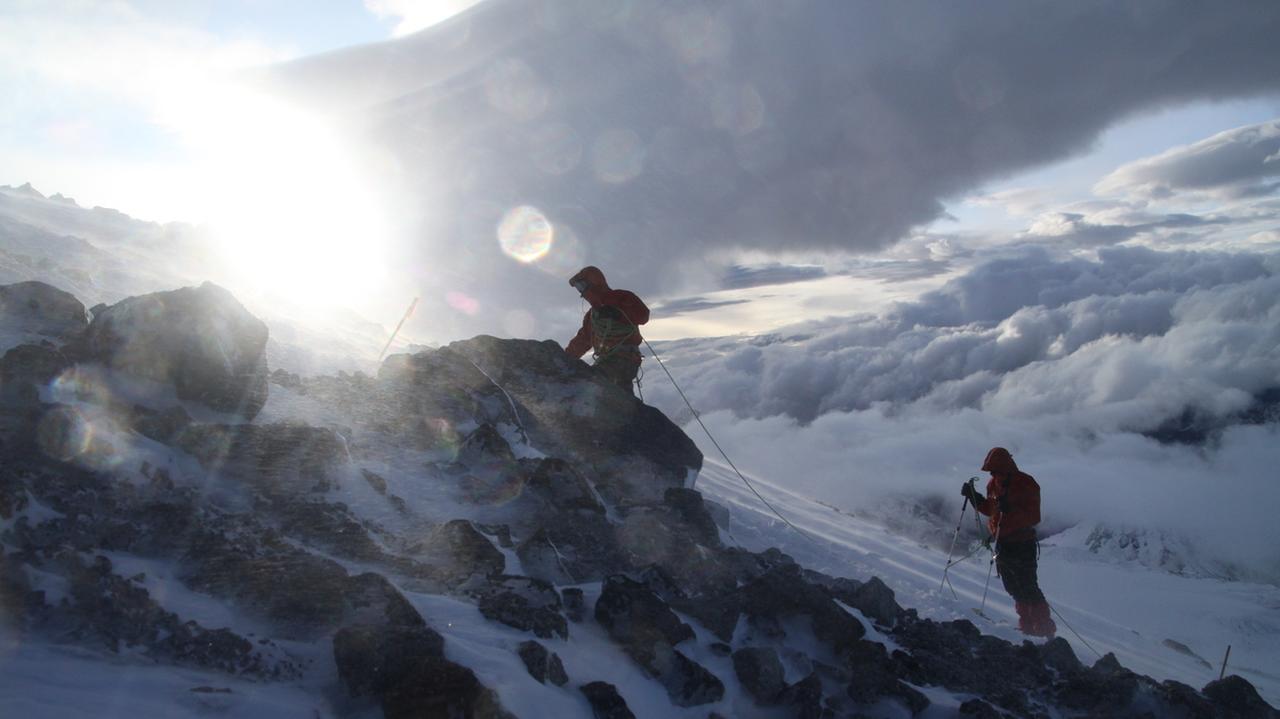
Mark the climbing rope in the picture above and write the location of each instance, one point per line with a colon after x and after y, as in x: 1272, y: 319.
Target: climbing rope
x: 711, y: 437
x: 514, y: 412
x: 1073, y: 631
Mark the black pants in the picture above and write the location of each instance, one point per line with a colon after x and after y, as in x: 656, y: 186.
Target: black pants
x: 620, y: 367
x: 1016, y: 565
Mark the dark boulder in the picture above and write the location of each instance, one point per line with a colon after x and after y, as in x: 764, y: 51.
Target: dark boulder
x: 282, y: 461
x: 525, y: 603
x: 35, y: 308
x: 485, y: 446
x: 372, y: 599
x: 457, y: 551
x: 300, y: 594
x: 637, y: 618
x: 372, y: 659
x: 1235, y: 697
x: 34, y: 364
x: 647, y: 630
x: 1057, y: 653
x: 560, y: 486
x: 574, y: 604
x: 200, y: 340
x: 605, y: 701
x: 871, y: 597
x: 542, y: 665
x: 631, y: 450
x: 805, y: 698
x: 760, y: 672
x: 694, y: 515
x: 404, y: 669
x: 24, y: 370
x: 780, y: 592
x: 573, y: 549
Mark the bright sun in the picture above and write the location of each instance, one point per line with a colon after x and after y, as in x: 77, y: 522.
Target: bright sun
x: 290, y: 209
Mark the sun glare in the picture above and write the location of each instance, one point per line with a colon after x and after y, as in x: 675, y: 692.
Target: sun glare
x: 290, y: 207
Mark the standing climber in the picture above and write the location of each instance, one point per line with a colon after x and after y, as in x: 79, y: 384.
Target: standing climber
x: 1013, y: 507
x: 610, y: 329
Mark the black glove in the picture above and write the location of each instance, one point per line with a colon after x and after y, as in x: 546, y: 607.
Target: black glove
x: 967, y: 490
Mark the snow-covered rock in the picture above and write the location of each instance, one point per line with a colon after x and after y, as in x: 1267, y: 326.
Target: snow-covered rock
x: 31, y: 310
x: 200, y: 340
x: 398, y: 542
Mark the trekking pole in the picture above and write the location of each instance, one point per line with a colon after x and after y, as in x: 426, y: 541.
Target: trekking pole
x: 412, y: 306
x: 1225, y: 657
x: 995, y: 549
x: 955, y: 536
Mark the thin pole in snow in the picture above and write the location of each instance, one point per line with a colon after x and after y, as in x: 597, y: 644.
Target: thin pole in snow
x: 1223, y: 673
x: 412, y: 305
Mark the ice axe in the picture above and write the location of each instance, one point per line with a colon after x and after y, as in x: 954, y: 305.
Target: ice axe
x: 412, y: 306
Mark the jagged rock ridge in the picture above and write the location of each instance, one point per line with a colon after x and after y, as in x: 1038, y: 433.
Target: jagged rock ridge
x: 570, y: 508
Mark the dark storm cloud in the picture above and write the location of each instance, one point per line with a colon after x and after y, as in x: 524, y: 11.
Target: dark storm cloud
x: 899, y: 270
x: 687, y: 305
x: 739, y: 277
x: 1239, y: 163
x: 657, y: 132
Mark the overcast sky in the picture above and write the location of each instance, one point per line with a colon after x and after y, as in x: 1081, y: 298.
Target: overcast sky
x: 753, y: 164
x: 894, y: 233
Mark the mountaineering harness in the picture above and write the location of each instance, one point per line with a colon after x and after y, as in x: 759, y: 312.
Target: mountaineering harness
x: 610, y: 328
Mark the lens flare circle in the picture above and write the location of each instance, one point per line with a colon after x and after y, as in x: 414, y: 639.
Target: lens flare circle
x: 525, y: 234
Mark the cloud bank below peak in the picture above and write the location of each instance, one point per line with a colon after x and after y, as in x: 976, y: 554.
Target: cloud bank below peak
x: 1128, y: 342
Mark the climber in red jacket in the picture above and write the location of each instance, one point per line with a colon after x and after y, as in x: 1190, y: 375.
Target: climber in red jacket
x: 610, y: 329
x: 1013, y: 507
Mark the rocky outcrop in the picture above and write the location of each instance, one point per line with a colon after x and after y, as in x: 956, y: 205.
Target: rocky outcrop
x: 605, y: 701
x: 647, y: 630
x: 405, y: 671
x: 262, y: 519
x: 544, y: 666
x: 457, y: 551
x: 632, y: 450
x: 280, y: 460
x: 35, y: 308
x: 525, y: 603
x: 199, y: 340
x: 761, y: 673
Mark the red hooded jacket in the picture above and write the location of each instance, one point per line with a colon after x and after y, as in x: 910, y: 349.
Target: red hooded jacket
x: 600, y: 294
x: 1022, y: 498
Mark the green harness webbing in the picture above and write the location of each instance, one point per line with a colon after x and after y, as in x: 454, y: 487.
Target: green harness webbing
x: 609, y: 332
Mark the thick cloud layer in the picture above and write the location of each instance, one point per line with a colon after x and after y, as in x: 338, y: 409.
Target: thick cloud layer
x: 1143, y: 389
x: 1130, y: 339
x: 650, y: 134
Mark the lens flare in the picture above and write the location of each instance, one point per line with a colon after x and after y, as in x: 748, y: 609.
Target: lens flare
x: 525, y: 234
x: 465, y: 304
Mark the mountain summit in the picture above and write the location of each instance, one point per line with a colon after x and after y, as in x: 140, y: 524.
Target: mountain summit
x: 482, y: 530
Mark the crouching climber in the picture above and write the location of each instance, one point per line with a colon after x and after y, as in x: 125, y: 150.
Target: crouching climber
x: 1013, y: 507
x: 610, y: 328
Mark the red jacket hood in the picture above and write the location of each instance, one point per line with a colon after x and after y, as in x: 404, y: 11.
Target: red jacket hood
x: 599, y: 286
x: 999, y: 461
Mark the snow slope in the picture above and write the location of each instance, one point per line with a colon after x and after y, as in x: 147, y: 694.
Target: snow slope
x: 1125, y: 608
